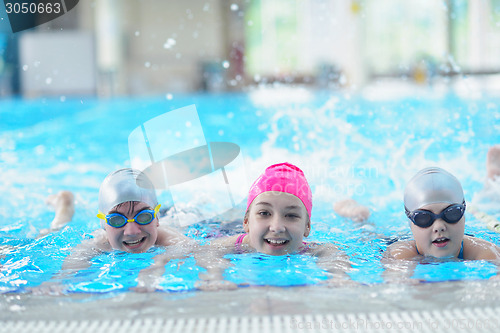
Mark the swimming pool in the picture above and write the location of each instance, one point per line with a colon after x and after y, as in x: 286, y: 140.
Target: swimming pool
x: 361, y: 146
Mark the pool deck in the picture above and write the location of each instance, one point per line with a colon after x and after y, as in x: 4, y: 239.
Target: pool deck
x: 252, y: 301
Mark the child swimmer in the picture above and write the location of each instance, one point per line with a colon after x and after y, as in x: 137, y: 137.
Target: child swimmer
x: 278, y: 217
x: 128, y: 209
x: 435, y: 205
x: 278, y: 213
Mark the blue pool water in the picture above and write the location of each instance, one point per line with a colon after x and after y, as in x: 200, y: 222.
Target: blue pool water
x: 348, y: 146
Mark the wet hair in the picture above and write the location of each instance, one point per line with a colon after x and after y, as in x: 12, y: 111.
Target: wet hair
x: 131, y: 207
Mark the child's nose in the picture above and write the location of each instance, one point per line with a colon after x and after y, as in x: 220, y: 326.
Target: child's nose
x: 131, y: 228
x: 439, y: 225
x: 277, y: 224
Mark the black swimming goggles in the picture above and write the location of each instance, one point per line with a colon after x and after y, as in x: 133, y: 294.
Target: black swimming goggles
x: 425, y: 218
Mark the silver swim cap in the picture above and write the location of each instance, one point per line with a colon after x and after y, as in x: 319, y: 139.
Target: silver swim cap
x: 126, y: 185
x: 432, y: 185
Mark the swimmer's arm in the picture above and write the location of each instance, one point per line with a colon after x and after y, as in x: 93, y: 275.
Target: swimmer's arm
x: 178, y: 247
x: 64, y: 205
x: 81, y: 255
x: 79, y: 259
x: 401, y: 250
x: 224, y: 244
x: 148, y: 278
x: 399, y: 271
x: 398, y: 266
x: 168, y: 236
x: 351, y: 209
x: 211, y: 258
x: 334, y: 261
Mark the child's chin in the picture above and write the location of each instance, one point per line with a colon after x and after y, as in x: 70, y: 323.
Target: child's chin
x: 278, y: 252
x: 441, y: 255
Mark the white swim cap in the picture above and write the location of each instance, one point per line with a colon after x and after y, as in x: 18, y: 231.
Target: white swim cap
x: 126, y: 185
x: 432, y: 185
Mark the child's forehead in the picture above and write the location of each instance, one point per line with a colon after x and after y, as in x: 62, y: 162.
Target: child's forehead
x: 278, y: 199
x: 130, y: 206
x: 436, y: 207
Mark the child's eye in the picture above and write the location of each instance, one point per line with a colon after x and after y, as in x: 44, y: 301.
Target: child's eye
x: 264, y: 213
x: 292, y: 216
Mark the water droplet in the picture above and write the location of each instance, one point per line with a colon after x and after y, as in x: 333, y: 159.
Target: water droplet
x: 137, y: 33
x: 169, y: 96
x: 25, y: 68
x: 221, y: 132
x: 147, y: 64
x: 188, y: 124
x: 225, y: 64
x: 234, y: 7
x: 169, y: 43
x: 48, y: 80
x: 62, y: 98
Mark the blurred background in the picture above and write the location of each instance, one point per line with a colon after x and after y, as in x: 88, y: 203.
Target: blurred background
x: 152, y: 47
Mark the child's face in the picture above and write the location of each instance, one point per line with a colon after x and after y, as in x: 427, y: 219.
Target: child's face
x: 277, y: 223
x: 132, y: 237
x: 441, y: 239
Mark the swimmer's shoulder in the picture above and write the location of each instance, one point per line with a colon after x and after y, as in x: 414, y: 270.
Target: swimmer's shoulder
x: 480, y: 249
x: 405, y: 249
x: 98, y: 242
x: 228, y: 242
x: 82, y: 254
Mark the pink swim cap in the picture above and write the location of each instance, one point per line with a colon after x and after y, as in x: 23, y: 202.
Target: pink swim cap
x: 282, y: 177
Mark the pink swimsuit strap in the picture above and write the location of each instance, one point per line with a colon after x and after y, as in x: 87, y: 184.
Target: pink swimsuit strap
x: 238, y: 242
x: 240, y: 239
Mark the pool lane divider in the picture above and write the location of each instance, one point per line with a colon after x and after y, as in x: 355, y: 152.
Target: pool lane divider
x: 491, y: 222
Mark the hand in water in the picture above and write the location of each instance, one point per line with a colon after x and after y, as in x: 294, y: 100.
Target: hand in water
x: 352, y: 209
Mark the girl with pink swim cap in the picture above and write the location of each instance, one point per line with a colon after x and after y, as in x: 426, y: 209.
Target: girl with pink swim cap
x: 278, y: 217
x: 278, y: 214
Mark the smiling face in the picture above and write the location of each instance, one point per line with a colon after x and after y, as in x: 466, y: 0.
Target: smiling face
x: 132, y: 237
x: 441, y: 239
x: 276, y: 223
